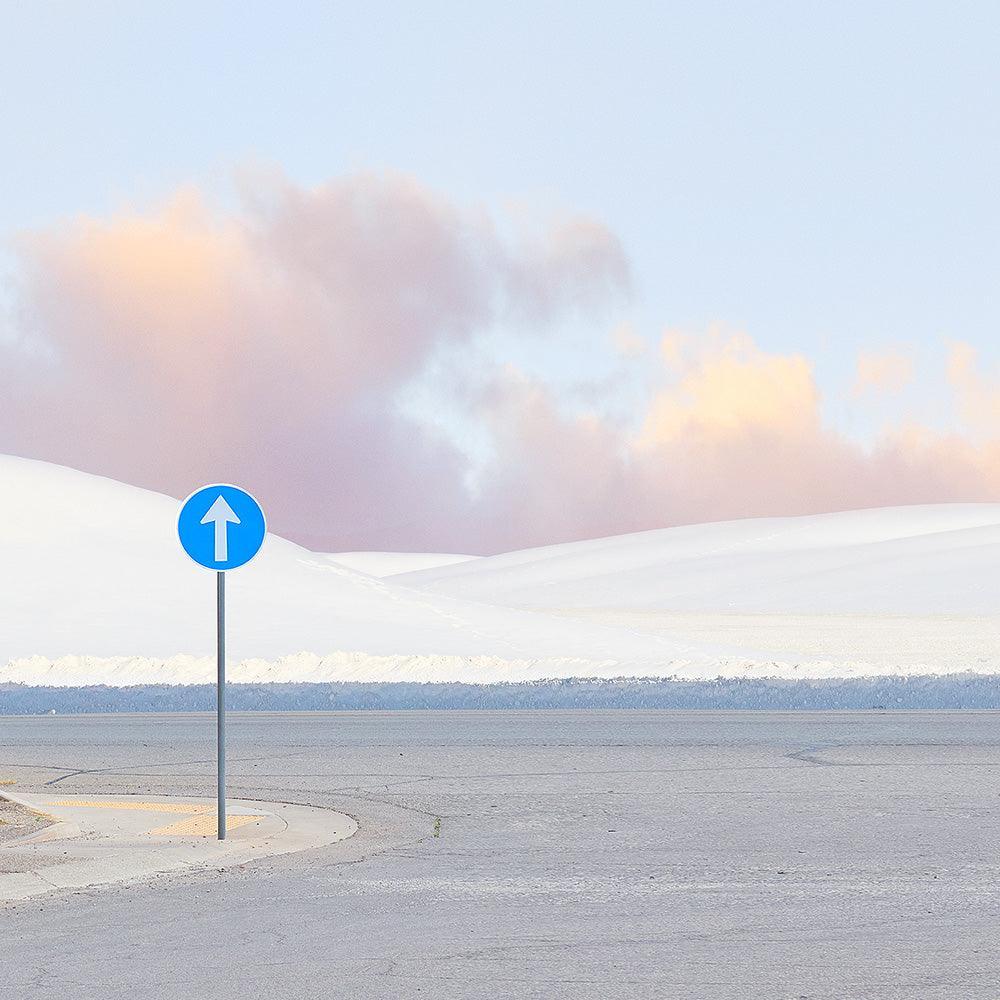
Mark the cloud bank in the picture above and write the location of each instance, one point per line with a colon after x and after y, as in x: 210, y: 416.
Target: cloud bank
x: 181, y: 346
x: 269, y: 347
x: 733, y: 432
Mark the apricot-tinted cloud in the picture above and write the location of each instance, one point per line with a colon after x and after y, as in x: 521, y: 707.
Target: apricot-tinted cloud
x: 270, y: 347
x: 883, y: 371
x: 733, y: 432
x: 977, y: 395
x: 182, y: 346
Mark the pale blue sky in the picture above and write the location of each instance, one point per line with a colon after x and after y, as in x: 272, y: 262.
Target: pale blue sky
x: 822, y: 175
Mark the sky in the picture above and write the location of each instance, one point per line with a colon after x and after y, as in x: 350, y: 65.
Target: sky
x: 457, y: 277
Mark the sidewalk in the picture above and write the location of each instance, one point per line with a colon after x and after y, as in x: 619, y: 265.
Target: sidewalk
x: 100, y: 839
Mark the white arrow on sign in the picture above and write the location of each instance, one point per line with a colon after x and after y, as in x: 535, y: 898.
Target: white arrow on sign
x: 223, y: 515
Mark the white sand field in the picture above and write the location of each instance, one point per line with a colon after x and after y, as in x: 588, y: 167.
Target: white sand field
x: 96, y: 590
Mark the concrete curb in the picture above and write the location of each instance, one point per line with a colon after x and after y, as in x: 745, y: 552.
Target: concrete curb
x: 106, y: 839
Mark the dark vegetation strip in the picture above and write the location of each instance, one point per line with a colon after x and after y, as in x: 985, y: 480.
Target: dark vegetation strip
x: 953, y: 691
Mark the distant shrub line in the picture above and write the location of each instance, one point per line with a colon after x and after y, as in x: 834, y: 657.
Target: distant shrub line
x: 954, y: 691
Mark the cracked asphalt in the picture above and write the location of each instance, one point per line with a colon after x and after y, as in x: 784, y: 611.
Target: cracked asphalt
x: 580, y: 854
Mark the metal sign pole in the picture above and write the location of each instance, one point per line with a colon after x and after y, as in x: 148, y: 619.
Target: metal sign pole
x: 221, y: 527
x: 221, y: 698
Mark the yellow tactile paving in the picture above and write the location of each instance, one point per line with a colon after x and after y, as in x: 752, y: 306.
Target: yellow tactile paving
x: 202, y: 825
x: 7, y: 781
x: 199, y: 820
x: 186, y: 808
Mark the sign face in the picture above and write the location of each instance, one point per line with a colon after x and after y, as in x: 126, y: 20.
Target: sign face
x: 221, y: 527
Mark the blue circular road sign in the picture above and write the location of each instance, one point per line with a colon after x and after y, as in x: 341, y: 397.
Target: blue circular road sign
x: 221, y: 527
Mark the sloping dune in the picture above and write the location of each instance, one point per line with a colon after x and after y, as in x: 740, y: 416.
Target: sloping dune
x: 93, y: 568
x: 900, y: 560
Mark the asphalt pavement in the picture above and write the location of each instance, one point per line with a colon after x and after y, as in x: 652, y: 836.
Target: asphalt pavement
x: 540, y: 854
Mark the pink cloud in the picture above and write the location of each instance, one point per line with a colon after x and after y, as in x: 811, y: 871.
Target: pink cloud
x: 977, y: 395
x: 181, y: 346
x: 734, y: 432
x: 883, y: 371
x: 269, y: 347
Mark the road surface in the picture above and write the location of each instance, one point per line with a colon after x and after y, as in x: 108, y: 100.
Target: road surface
x: 710, y: 856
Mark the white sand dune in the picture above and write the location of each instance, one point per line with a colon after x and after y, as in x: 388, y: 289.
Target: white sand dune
x: 92, y: 570
x: 942, y: 559
x: 903, y: 590
x: 393, y: 563
x: 94, y: 588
